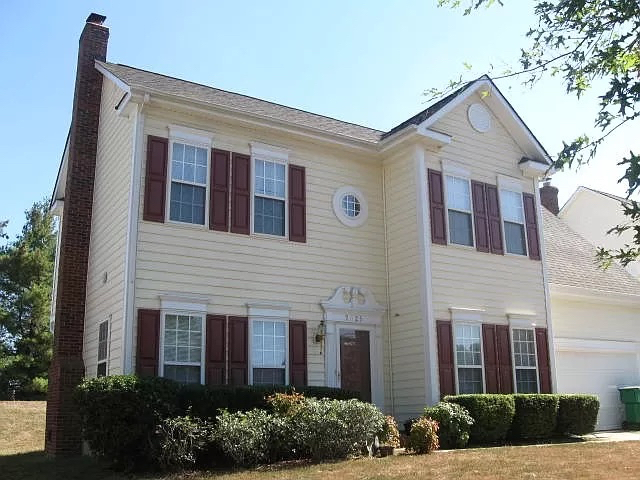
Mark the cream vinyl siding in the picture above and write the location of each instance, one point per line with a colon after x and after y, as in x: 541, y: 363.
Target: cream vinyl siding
x: 406, y: 316
x: 232, y: 269
x: 592, y: 215
x: 462, y: 276
x: 105, y: 301
x: 595, y: 320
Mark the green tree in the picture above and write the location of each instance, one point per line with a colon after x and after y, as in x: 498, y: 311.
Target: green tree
x: 590, y: 44
x: 26, y: 270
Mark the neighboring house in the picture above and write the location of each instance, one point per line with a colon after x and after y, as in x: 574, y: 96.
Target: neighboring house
x: 211, y: 237
x: 592, y: 214
x: 595, y: 319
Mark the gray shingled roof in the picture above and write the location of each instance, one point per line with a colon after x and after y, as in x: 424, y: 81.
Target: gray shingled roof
x: 571, y: 261
x: 135, y: 77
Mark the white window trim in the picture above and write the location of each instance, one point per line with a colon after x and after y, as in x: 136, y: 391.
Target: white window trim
x: 176, y: 304
x: 190, y: 139
x: 513, y: 357
x: 339, y: 212
x: 450, y: 173
x: 107, y: 358
x: 269, y: 153
x: 524, y: 224
x: 284, y: 321
x: 455, y: 353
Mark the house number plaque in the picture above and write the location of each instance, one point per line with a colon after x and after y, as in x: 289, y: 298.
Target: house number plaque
x: 354, y: 317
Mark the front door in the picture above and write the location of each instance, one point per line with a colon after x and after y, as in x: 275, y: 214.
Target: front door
x: 355, y: 361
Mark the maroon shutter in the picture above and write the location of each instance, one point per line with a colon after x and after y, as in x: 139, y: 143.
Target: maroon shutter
x: 531, y: 221
x: 297, y: 204
x: 503, y: 350
x: 491, y: 377
x: 155, y: 186
x: 445, y: 358
x: 219, y: 206
x: 436, y: 203
x: 481, y: 219
x: 148, y: 342
x: 240, y: 193
x: 238, y: 351
x: 215, y: 354
x: 544, y: 369
x: 297, y: 353
x: 494, y: 220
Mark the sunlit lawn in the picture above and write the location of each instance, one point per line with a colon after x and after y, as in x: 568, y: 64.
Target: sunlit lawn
x: 22, y: 441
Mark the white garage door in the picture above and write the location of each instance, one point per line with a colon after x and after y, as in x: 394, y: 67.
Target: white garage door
x: 598, y: 373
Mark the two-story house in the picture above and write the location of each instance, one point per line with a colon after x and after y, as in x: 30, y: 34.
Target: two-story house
x: 212, y: 237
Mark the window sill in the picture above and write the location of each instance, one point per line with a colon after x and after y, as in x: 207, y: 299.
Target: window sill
x: 266, y: 236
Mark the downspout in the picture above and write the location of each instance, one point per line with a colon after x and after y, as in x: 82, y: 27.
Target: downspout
x: 545, y: 282
x: 132, y: 239
x: 388, y: 294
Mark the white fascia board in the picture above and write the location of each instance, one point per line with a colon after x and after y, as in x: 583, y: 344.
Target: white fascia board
x: 61, y: 179
x: 590, y: 295
x: 122, y: 105
x: 161, y: 99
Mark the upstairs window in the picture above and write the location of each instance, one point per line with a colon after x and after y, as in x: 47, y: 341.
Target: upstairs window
x: 524, y: 359
x: 468, y: 354
x: 459, y: 211
x: 189, y: 173
x: 513, y: 221
x: 269, y: 197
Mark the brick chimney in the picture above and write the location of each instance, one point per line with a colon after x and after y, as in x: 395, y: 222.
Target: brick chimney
x: 63, y: 435
x: 549, y: 197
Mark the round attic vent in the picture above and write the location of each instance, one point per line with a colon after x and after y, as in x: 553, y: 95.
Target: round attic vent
x: 479, y: 117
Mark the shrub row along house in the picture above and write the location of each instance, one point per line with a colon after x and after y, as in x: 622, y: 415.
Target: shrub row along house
x: 212, y: 237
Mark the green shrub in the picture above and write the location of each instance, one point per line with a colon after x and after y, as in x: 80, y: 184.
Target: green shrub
x: 180, y: 440
x: 577, y: 414
x: 423, y: 437
x: 535, y: 416
x: 253, y: 437
x: 454, y: 424
x: 390, y: 435
x: 492, y: 415
x: 333, y: 429
x: 119, y: 416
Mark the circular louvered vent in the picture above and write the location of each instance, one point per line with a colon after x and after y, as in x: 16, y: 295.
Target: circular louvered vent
x: 479, y: 117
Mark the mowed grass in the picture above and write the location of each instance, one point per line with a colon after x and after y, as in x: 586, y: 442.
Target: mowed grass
x: 22, y: 458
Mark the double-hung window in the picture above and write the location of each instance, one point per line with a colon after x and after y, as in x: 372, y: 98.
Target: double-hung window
x: 468, y: 351
x: 270, y: 180
x: 514, y: 222
x: 459, y: 210
x: 269, y: 352
x: 524, y: 359
x: 189, y: 173
x: 182, y: 347
x: 103, y: 349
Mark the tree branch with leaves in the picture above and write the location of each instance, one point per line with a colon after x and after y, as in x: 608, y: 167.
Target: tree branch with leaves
x: 588, y: 43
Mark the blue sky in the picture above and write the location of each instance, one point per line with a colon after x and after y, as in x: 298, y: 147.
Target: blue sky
x: 367, y: 63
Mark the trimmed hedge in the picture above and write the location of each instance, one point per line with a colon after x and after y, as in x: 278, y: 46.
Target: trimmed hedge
x: 455, y: 424
x: 492, y: 415
x: 577, y: 414
x: 120, y: 413
x: 535, y: 416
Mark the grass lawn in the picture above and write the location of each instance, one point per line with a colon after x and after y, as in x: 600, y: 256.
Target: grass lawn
x: 22, y: 441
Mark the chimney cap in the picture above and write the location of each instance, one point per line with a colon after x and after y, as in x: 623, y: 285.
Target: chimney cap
x: 96, y: 18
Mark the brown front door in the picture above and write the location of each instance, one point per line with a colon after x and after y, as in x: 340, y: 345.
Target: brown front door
x: 355, y: 363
